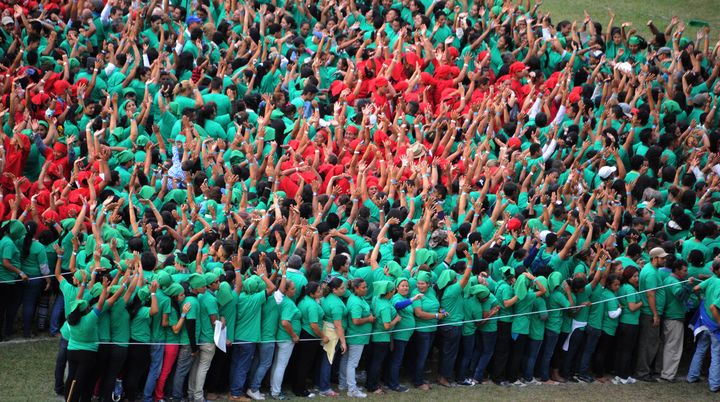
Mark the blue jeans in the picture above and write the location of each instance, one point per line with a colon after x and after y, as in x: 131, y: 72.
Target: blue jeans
x: 465, y: 369
x: 548, y: 348
x: 705, y: 341
x: 261, y: 364
x: 157, y: 353
x: 380, y: 351
x: 57, y: 315
x: 484, y: 350
x: 592, y: 336
x: 423, y: 343
x: 30, y: 296
x: 323, y: 378
x: 533, y: 349
x: 182, y: 368
x: 450, y: 336
x: 396, y: 359
x: 242, y: 357
x: 60, y: 363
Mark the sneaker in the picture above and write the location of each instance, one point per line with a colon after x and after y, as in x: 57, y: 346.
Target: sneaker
x: 306, y: 394
x: 666, y: 380
x: 356, y: 394
x: 504, y: 384
x: 255, y: 395
x: 400, y: 388
x: 584, y: 378
x: 329, y: 393
x: 618, y: 381
x: 519, y: 383
x: 467, y: 383
x: 533, y: 382
x: 647, y: 378
x: 279, y: 397
x: 630, y: 380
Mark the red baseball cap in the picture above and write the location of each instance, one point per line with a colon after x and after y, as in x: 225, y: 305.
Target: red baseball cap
x: 514, y: 224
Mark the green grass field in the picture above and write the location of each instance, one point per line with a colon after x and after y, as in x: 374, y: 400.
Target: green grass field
x: 639, y: 12
x: 26, y: 374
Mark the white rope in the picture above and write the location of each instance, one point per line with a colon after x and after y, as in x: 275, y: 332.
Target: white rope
x: 33, y: 278
x: 458, y: 323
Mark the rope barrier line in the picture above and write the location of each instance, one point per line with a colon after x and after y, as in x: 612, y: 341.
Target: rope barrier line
x: 33, y: 278
x: 425, y: 326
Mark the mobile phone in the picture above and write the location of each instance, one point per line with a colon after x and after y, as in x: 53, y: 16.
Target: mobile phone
x: 441, y: 215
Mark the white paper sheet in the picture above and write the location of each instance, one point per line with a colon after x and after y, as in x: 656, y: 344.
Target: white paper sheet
x: 220, y: 336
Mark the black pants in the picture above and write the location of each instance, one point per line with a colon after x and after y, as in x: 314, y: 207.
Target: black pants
x: 217, y: 379
x: 600, y: 360
x: 380, y: 351
x: 559, y: 354
x: 303, y: 359
x: 60, y: 363
x: 113, y: 367
x: 136, y: 367
x: 8, y: 301
x: 81, y: 372
x: 627, y: 335
x: 518, y: 356
x: 574, y: 353
x: 502, y: 351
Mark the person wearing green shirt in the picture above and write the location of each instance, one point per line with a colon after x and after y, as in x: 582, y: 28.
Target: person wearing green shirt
x: 450, y: 295
x: 526, y: 295
x: 537, y: 331
x: 427, y: 313
x: 33, y: 261
x: 402, y: 301
x: 386, y: 319
x: 560, y: 298
x: 335, y: 319
x: 208, y: 315
x: 142, y: 307
x: 311, y: 335
x: 593, y: 330
x: 486, y: 337
x: 12, y: 233
x: 473, y: 315
x: 256, y: 289
x: 360, y: 321
x: 603, y: 352
x: 649, y: 336
x: 676, y: 297
x: 189, y: 337
x: 288, y: 334
x: 175, y: 330
x: 506, y: 298
x: 707, y: 340
x: 628, y: 327
x: 82, y: 348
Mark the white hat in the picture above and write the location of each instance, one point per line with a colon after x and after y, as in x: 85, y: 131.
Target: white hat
x: 7, y: 20
x: 606, y: 171
x: 543, y: 234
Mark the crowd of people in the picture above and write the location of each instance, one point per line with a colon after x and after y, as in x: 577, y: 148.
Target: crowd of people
x: 203, y: 198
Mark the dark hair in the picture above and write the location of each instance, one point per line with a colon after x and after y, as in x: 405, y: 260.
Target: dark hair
x: 308, y: 289
x: 75, y: 317
x: 355, y: 283
x: 31, y: 228
x: 628, y: 273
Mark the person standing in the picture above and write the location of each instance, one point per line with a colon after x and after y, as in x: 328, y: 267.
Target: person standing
x: 676, y: 298
x: 650, y: 313
x: 360, y: 321
x: 708, y: 316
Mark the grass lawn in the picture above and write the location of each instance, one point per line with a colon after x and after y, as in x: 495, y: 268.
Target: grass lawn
x: 26, y: 374
x: 639, y: 12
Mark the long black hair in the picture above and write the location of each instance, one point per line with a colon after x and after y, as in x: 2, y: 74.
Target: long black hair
x: 308, y: 289
x: 31, y: 228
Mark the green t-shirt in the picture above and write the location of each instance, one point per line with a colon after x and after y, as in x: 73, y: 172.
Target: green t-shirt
x: 208, y: 307
x: 334, y: 309
x: 538, y: 319
x: 290, y: 313
x: 504, y: 292
x: 37, y: 257
x: 358, y: 308
x: 710, y: 289
x: 103, y: 326
x: 630, y: 295
x: 597, y: 310
x: 84, y: 335
x: 609, y: 324
x: 384, y: 313
x: 270, y: 317
x: 120, y: 323
x: 249, y: 315
x: 312, y: 313
x: 649, y: 278
x: 405, y: 327
x: 9, y: 251
x: 558, y: 299
x: 158, y: 332
x: 521, y: 323
x: 473, y: 311
x: 429, y: 304
x: 452, y: 302
x: 487, y: 305
x: 140, y: 326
